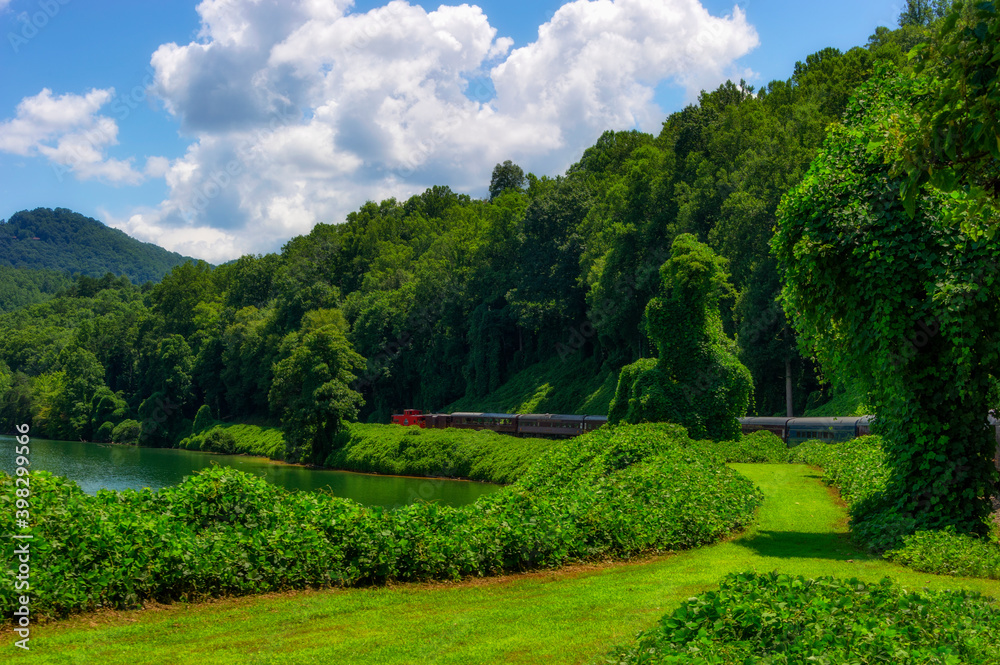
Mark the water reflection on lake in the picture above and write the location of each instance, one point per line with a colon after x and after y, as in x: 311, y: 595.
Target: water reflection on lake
x: 95, y: 466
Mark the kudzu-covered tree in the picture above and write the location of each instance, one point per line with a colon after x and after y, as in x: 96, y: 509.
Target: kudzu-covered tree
x: 905, y: 305
x: 311, y: 391
x: 696, y: 380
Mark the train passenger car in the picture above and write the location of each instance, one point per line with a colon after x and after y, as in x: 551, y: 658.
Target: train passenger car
x: 547, y: 424
x: 822, y: 429
x: 590, y: 423
x: 777, y: 426
x: 505, y: 423
x: 437, y: 420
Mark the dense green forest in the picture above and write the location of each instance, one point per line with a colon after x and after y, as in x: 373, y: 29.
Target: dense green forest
x: 67, y: 242
x: 442, y: 297
x: 25, y: 286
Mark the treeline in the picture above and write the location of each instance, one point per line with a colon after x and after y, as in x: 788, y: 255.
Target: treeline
x: 67, y: 242
x: 425, y: 301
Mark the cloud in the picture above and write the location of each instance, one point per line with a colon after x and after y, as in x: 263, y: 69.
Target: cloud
x: 298, y: 111
x: 68, y: 131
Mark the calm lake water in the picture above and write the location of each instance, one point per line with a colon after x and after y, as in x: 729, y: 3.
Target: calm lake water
x: 97, y: 466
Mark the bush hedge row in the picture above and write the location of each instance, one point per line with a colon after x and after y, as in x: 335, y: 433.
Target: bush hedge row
x: 856, y: 467
x: 616, y: 492
x: 859, y: 469
x: 238, y: 439
x: 773, y: 618
x: 757, y: 447
x: 454, y: 453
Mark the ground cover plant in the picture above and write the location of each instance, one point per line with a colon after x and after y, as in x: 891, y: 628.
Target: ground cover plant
x: 238, y: 439
x: 567, y: 616
x: 455, y: 453
x: 759, y: 446
x: 696, y: 379
x: 774, y: 618
x: 949, y: 553
x: 858, y: 468
x: 615, y: 492
x: 391, y: 449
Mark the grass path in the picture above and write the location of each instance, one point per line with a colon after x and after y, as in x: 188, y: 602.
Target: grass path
x: 569, y: 616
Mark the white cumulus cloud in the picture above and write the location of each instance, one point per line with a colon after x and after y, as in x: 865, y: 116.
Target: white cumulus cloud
x: 69, y: 131
x: 300, y: 110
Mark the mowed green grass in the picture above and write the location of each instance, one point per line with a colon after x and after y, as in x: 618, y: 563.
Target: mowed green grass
x: 569, y: 616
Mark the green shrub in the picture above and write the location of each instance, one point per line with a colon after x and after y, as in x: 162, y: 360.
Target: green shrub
x: 696, y: 379
x: 949, y: 553
x: 202, y: 420
x: 613, y: 493
x: 127, y: 431
x: 772, y: 618
x: 758, y: 447
x: 105, y: 433
x: 219, y: 440
x: 857, y: 467
x: 241, y: 440
x: 453, y: 453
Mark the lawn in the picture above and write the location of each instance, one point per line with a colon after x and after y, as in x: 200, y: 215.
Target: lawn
x: 568, y: 616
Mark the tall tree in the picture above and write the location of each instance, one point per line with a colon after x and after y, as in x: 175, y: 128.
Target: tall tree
x: 312, y: 393
x: 696, y: 380
x: 506, y: 176
x: 904, y: 306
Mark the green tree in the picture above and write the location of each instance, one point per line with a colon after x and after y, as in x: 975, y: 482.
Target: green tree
x: 952, y: 140
x: 203, y: 419
x: 506, y: 176
x: 696, y: 381
x: 906, y: 307
x: 72, y: 405
x: 311, y: 391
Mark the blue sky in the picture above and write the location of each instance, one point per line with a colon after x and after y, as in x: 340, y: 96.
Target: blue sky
x: 267, y: 117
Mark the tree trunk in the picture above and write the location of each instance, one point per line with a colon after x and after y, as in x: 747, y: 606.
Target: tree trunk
x: 788, y: 387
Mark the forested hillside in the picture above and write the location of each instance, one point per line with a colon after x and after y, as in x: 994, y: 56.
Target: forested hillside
x: 24, y: 286
x: 67, y: 242
x: 441, y: 297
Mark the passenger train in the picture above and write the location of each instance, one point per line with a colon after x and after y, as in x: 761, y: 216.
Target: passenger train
x: 792, y: 431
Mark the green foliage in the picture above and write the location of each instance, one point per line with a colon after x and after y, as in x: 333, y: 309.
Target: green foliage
x: 903, y: 306
x: 946, y: 552
x: 127, y: 432
x: 758, y: 447
x: 241, y: 439
x: 68, y: 242
x: 448, y: 297
x: 775, y: 618
x: 955, y: 144
x: 219, y: 440
x: 613, y: 493
x: 83, y: 377
x: 506, y: 176
x: 312, y: 391
x: 105, y: 433
x: 858, y: 467
x: 25, y: 286
x: 846, y: 402
x: 203, y: 419
x: 696, y: 381
x: 571, y: 385
x: 452, y: 453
